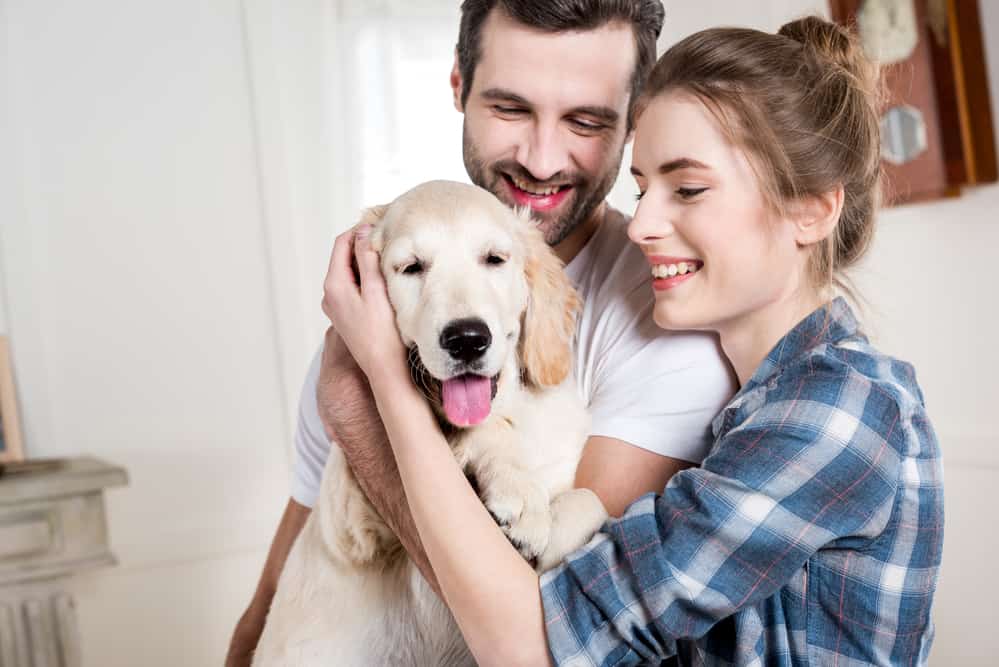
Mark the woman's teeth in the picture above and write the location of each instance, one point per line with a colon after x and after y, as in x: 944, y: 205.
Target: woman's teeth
x: 670, y: 270
x: 531, y: 190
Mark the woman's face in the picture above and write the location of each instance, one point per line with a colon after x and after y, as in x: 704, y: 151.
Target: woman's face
x: 718, y: 253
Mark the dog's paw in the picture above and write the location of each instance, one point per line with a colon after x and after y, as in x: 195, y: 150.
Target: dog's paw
x: 577, y: 515
x: 529, y: 534
x: 521, y: 510
x: 505, y: 505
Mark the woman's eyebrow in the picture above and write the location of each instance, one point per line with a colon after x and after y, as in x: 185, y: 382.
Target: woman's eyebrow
x: 675, y: 165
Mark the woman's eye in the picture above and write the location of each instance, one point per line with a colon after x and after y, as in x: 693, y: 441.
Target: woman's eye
x: 413, y: 269
x: 495, y: 260
x: 689, y: 193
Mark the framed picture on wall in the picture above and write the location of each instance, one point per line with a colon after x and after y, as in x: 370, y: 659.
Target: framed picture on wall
x: 936, y: 126
x: 10, y: 427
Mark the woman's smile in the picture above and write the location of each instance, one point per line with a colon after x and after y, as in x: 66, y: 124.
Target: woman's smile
x: 668, y: 272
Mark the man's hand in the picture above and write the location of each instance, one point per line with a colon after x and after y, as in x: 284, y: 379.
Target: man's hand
x: 246, y: 636
x: 346, y: 404
x: 350, y: 417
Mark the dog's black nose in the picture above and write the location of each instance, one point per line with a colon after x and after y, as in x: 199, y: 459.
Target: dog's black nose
x: 466, y: 340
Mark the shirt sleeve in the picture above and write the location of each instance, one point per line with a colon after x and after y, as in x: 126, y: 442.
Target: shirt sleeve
x: 659, y: 391
x: 797, y: 475
x: 312, y: 447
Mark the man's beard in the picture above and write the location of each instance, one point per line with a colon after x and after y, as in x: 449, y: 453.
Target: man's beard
x: 585, y: 197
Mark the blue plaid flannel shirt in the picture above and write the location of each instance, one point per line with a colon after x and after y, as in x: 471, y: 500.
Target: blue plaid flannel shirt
x: 810, y: 535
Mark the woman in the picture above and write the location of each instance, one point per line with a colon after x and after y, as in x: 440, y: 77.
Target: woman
x: 812, y: 532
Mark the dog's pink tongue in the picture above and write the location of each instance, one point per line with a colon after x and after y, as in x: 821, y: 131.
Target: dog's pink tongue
x: 467, y: 399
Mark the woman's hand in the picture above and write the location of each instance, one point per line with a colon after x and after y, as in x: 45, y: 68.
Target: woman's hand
x: 360, y: 310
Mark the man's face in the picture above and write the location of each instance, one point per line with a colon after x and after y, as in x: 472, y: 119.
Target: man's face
x: 546, y: 118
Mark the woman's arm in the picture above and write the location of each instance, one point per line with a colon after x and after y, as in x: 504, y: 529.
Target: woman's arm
x: 492, y: 592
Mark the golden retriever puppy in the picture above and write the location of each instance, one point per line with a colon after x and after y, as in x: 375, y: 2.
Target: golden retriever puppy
x: 488, y: 315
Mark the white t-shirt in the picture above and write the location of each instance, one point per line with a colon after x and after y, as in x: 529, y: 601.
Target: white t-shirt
x: 654, y: 389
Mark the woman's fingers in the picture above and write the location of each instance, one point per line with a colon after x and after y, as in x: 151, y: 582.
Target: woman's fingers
x: 368, y: 265
x: 339, y: 282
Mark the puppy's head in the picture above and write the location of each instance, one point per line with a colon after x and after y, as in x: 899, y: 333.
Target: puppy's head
x: 480, y: 299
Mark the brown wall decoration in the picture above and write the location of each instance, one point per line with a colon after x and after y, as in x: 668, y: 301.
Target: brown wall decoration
x: 937, y: 132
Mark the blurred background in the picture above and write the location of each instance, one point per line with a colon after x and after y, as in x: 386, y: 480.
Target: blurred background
x: 172, y: 175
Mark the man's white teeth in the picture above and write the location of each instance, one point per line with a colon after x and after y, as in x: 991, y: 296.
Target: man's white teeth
x: 528, y: 188
x: 670, y: 270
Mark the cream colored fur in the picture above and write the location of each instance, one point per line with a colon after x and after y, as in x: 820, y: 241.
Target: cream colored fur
x: 349, y: 595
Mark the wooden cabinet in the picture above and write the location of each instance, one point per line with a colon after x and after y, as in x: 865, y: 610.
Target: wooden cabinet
x: 52, y: 524
x: 937, y: 131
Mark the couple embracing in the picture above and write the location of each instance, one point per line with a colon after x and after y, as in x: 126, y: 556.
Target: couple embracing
x: 774, y: 481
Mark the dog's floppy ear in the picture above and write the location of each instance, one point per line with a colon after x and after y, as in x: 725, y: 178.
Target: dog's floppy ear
x: 550, y: 320
x: 373, y: 216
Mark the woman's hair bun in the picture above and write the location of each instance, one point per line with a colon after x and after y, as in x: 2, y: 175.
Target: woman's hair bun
x: 834, y: 45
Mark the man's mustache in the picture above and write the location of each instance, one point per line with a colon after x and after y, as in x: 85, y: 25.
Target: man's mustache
x: 558, y: 179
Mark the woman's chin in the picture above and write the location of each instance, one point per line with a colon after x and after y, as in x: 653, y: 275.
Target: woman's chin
x: 675, y: 319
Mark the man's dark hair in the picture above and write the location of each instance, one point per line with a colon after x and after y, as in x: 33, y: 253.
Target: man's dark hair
x: 644, y: 16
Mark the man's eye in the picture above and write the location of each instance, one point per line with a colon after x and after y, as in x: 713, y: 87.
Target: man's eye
x: 509, y: 111
x: 689, y: 193
x: 586, y: 125
x: 413, y: 269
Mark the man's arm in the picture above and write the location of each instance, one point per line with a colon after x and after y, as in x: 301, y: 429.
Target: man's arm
x: 251, y: 623
x: 347, y: 409
x: 619, y: 472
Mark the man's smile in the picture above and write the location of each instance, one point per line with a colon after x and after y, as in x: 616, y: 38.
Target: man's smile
x: 538, y: 198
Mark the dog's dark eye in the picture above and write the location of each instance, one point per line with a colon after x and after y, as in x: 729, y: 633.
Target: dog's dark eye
x: 495, y: 260
x: 413, y: 269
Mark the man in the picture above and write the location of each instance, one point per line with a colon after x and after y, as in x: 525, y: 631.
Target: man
x: 547, y: 90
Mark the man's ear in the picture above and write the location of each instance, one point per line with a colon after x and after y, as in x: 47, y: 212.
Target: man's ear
x: 815, y: 217
x: 456, y: 84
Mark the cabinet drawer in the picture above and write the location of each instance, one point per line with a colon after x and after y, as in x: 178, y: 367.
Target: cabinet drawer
x: 51, y: 537
x: 29, y: 534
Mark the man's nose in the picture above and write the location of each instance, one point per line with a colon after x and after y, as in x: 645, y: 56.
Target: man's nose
x: 543, y: 152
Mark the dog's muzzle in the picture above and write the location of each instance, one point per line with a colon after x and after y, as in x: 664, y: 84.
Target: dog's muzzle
x: 433, y: 389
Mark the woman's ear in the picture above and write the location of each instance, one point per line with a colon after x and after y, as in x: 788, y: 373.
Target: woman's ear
x: 550, y: 319
x: 815, y: 217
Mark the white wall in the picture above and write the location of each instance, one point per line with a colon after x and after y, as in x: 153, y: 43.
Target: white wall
x: 168, y: 192
x: 141, y: 309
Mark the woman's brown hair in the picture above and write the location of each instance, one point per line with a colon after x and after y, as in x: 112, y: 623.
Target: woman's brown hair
x: 803, y: 104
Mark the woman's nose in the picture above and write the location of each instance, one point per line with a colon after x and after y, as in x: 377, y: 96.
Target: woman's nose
x: 649, y: 223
